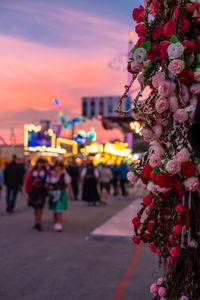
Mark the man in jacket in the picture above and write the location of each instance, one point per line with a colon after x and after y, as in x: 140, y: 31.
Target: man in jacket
x: 13, y: 179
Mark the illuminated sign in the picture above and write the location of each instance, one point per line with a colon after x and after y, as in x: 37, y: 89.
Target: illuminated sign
x: 36, y: 140
x: 136, y: 127
x: 117, y: 149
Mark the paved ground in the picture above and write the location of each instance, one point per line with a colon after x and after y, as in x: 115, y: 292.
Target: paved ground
x: 67, y: 266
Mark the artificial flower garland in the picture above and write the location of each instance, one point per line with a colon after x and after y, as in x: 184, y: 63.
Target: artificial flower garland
x: 166, y: 61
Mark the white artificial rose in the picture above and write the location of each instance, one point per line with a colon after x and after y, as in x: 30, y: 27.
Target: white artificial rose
x: 175, y: 50
x: 139, y: 55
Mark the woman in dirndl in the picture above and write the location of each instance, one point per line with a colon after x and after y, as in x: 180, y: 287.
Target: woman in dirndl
x: 58, y: 195
x: 35, y: 186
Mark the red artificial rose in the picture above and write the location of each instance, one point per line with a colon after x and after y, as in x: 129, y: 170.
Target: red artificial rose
x: 177, y: 229
x: 145, y: 235
x: 157, y: 34
x: 139, y: 14
x: 187, y: 169
x: 136, y: 240
x: 152, y: 248
x: 185, y: 25
x: 175, y: 252
x: 158, y: 253
x: 129, y: 68
x: 186, y: 77
x: 136, y: 221
x: 140, y: 41
x: 145, y: 174
x: 163, y: 180
x: 153, y: 52
x: 140, y: 29
x: 149, y: 227
x: 163, y: 49
x: 147, y: 200
x: 190, y: 46
x: 179, y: 186
x: 153, y: 176
x: 180, y: 208
x: 176, y: 12
x: 169, y: 28
x: 170, y: 261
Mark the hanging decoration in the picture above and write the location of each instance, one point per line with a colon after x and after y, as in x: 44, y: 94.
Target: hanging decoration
x: 166, y: 63
x: 63, y: 120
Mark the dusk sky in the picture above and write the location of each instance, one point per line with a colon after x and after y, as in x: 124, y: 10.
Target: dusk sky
x: 59, y: 49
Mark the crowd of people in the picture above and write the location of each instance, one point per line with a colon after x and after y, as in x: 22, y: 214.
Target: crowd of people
x: 56, y: 183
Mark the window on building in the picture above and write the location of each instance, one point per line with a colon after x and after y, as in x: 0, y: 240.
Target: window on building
x: 101, y: 107
x: 92, y: 108
x: 84, y: 108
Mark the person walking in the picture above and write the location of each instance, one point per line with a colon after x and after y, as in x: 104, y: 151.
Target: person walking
x: 115, y: 180
x: 123, y: 170
x: 58, y: 195
x: 13, y: 179
x: 74, y: 172
x: 36, y: 187
x: 90, y: 193
x: 105, y: 180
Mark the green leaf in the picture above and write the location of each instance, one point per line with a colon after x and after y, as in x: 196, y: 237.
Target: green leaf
x: 134, y: 48
x: 146, y: 46
x: 174, y: 39
x: 156, y: 170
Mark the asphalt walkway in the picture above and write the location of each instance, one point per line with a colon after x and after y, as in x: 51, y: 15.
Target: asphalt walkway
x: 68, y: 266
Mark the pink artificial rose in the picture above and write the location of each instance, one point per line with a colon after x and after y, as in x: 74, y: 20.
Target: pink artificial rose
x: 140, y: 41
x: 157, y: 78
x: 189, y: 47
x: 155, y: 160
x: 136, y: 67
x: 183, y: 155
x: 151, y: 187
x: 173, y: 167
x: 184, y: 298
x: 132, y: 177
x: 169, y: 28
x: 195, y: 88
x: 153, y: 52
x: 180, y: 115
x: 140, y: 29
x: 197, y: 75
x: 157, y: 34
x: 185, y: 25
x: 139, y: 14
x: 163, y: 46
x: 162, y: 190
x: 140, y: 79
x: 153, y: 289
x: 176, y: 12
x: 175, y: 252
x: 156, y: 147
x: 191, y: 184
x: 176, y: 66
x: 173, y: 103
x: 147, y: 134
x: 166, y: 88
x: 184, y: 93
x: 160, y: 281
x: 157, y: 129
x: 162, y: 105
x: 196, y: 16
x: 162, y: 292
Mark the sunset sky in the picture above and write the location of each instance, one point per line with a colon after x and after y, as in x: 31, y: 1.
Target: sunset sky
x: 59, y: 49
